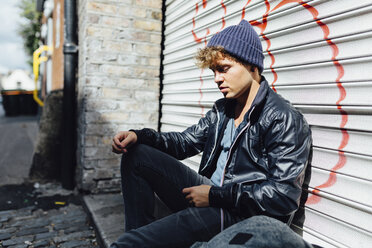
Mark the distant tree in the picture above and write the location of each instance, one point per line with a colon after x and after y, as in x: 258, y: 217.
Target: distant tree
x: 30, y: 29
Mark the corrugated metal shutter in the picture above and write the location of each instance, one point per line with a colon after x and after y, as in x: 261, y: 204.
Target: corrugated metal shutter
x: 319, y: 56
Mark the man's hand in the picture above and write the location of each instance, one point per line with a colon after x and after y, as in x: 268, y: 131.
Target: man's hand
x: 198, y: 195
x: 122, y: 141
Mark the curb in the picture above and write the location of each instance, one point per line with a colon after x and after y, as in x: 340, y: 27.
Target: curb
x: 107, y: 214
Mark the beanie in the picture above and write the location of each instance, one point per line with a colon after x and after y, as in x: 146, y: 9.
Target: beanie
x: 242, y: 42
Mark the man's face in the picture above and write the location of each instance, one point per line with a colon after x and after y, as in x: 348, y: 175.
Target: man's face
x: 233, y: 79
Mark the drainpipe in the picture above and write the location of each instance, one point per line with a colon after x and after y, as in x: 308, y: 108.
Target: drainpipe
x: 161, y: 75
x: 70, y: 50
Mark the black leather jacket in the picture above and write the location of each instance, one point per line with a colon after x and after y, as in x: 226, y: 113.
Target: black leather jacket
x: 266, y: 164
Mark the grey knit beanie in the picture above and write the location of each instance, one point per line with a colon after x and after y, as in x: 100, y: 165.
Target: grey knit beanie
x: 242, y: 42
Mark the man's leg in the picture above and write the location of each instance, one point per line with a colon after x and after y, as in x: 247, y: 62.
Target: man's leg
x: 181, y: 229
x: 146, y: 170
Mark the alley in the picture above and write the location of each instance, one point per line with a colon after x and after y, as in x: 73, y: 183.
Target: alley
x: 35, y: 214
x: 17, y: 141
x: 33, y: 227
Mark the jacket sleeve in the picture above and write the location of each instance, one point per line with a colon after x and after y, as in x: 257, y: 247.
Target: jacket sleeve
x: 288, y: 145
x: 178, y: 144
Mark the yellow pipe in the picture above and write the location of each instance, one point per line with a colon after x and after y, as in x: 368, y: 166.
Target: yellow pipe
x: 37, y: 60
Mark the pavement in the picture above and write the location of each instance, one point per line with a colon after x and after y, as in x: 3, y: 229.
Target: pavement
x: 17, y: 142
x: 43, y: 214
x: 107, y: 214
x: 46, y: 215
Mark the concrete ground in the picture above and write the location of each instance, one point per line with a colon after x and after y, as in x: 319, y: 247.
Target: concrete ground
x: 43, y: 215
x: 107, y: 213
x: 46, y: 224
x: 36, y: 214
x: 17, y: 142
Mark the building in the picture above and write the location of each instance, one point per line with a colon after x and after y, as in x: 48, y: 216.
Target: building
x: 135, y: 69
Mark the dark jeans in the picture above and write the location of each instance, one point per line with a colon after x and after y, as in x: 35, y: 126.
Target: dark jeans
x: 146, y: 170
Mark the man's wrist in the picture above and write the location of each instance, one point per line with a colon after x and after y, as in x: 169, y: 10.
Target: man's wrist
x: 221, y: 197
x: 138, y: 134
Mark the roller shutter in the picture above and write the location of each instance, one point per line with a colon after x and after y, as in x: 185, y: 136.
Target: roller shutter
x: 318, y: 55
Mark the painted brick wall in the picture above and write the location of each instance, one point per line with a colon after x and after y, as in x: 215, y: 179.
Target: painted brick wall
x: 118, y: 85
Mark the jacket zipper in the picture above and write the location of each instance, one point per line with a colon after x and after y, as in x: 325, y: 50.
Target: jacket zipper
x: 215, y: 139
x: 228, y: 157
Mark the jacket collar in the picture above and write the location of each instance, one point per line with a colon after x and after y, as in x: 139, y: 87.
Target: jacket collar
x: 261, y: 93
x: 258, y: 102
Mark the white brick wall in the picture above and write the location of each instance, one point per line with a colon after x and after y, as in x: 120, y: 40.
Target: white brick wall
x: 118, y: 85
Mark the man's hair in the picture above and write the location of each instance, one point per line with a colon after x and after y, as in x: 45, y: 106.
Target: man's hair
x: 209, y: 56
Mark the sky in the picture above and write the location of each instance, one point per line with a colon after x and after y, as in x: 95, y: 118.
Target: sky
x: 12, y: 53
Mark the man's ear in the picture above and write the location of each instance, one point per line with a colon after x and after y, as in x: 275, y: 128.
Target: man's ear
x: 253, y: 68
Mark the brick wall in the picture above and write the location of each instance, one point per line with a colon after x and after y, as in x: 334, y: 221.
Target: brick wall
x: 118, y: 82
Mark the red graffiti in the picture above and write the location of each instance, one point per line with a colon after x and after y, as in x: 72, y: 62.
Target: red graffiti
x: 199, y: 40
x: 224, y: 13
x: 205, y: 4
x: 193, y: 23
x: 272, y: 61
x: 284, y: 2
x: 332, y: 179
x: 313, y: 199
x: 201, y: 92
x: 243, y: 10
x: 340, y: 73
x: 344, y: 116
x: 196, y: 38
x: 262, y: 26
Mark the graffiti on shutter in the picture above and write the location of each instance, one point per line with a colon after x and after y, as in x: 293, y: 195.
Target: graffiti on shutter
x: 318, y: 55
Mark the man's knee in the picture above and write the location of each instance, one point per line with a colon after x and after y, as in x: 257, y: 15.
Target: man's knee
x: 134, y: 156
x: 137, y: 150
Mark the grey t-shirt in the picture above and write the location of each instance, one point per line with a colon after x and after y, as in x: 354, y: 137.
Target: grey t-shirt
x: 226, y: 142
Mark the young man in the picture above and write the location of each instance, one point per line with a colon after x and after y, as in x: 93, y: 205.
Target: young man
x: 256, y: 148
